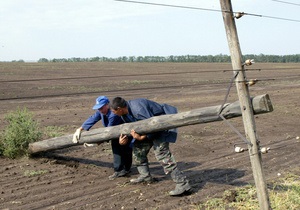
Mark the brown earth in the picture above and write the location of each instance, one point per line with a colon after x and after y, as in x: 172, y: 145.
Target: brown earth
x: 62, y: 94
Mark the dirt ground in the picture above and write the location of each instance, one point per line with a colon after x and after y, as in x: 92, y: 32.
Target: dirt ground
x: 62, y: 94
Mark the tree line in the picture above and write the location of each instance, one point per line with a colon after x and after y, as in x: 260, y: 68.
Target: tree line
x: 221, y: 58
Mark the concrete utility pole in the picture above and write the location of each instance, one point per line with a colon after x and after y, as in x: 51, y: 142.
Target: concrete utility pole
x: 245, y: 103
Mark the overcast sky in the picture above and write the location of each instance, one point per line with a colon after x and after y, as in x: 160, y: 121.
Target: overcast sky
x: 33, y: 29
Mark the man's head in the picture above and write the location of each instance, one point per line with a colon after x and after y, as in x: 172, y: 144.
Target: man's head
x: 119, y: 106
x: 102, y: 104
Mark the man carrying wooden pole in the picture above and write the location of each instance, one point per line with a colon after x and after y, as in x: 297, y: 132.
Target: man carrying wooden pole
x: 245, y: 103
x: 260, y: 104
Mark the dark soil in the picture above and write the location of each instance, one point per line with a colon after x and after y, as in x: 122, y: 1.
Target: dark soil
x: 62, y: 94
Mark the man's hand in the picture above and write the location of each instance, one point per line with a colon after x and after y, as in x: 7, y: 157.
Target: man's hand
x: 137, y: 136
x: 123, y: 139
x: 76, y: 136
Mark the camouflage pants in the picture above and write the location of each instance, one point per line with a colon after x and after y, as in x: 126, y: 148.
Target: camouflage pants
x: 161, y: 151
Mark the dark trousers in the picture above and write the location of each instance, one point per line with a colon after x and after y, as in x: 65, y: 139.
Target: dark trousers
x: 122, y: 156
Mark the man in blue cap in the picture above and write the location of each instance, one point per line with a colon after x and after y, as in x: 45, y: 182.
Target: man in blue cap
x: 122, y: 154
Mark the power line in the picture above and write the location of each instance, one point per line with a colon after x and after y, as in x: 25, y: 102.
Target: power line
x: 263, y: 69
x: 215, y: 83
x: 206, y: 9
x: 110, y: 76
x: 124, y: 75
x: 149, y: 74
x: 169, y: 5
x: 272, y: 17
x: 285, y: 2
x: 110, y: 91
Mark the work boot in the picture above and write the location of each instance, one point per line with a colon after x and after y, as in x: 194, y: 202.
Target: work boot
x: 144, y: 175
x: 182, y: 184
x: 119, y: 174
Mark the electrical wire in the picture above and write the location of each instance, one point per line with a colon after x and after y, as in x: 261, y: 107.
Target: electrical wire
x: 206, y: 9
x: 216, y: 83
x: 111, y: 91
x: 110, y: 76
x: 266, y: 69
x: 285, y: 2
x: 273, y: 17
x: 228, y: 90
x: 169, y: 5
x: 150, y: 74
x: 124, y: 75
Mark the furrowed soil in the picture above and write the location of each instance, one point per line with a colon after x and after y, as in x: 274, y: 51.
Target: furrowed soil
x: 61, y: 96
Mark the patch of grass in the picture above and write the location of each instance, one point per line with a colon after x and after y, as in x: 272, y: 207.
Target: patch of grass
x: 31, y: 173
x: 51, y: 88
x: 212, y: 204
x: 85, y: 89
x: 21, y: 131
x: 137, y: 82
x: 285, y: 194
x: 73, y: 88
x: 53, y: 131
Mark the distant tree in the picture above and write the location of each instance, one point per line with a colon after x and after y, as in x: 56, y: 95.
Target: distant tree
x: 140, y: 59
x: 43, y: 60
x: 220, y: 58
x: 171, y: 58
x: 131, y: 59
x: 18, y: 61
x: 94, y: 59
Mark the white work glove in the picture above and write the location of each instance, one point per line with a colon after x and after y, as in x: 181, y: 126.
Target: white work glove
x: 76, y: 135
x: 89, y: 145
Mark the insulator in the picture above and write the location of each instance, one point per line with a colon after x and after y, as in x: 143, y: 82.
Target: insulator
x: 239, y: 149
x: 239, y: 15
x: 252, y: 82
x: 248, y: 62
x: 264, y: 150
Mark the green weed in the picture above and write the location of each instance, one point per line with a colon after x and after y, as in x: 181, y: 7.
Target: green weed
x: 21, y: 131
x: 285, y: 194
x: 136, y: 82
x: 53, y: 131
x: 31, y: 173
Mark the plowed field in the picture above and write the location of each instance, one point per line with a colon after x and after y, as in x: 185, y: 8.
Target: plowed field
x: 62, y: 94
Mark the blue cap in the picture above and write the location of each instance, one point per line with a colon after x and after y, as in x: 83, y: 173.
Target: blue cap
x: 100, y: 102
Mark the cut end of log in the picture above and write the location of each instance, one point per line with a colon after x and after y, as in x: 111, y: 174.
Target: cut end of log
x: 262, y: 104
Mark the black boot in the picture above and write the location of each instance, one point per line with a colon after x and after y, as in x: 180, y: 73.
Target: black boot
x: 182, y: 184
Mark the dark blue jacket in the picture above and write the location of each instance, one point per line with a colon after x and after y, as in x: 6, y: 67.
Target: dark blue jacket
x: 110, y: 119
x: 141, y: 109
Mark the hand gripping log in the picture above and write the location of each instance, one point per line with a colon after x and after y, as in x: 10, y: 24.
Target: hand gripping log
x: 260, y: 104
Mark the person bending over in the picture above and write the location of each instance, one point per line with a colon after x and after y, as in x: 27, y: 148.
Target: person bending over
x: 122, y: 154
x: 141, y: 109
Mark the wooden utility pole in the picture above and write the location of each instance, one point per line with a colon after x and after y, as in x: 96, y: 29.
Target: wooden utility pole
x: 245, y: 103
x: 261, y: 104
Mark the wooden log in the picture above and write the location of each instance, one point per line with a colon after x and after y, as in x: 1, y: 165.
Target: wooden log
x: 261, y: 104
